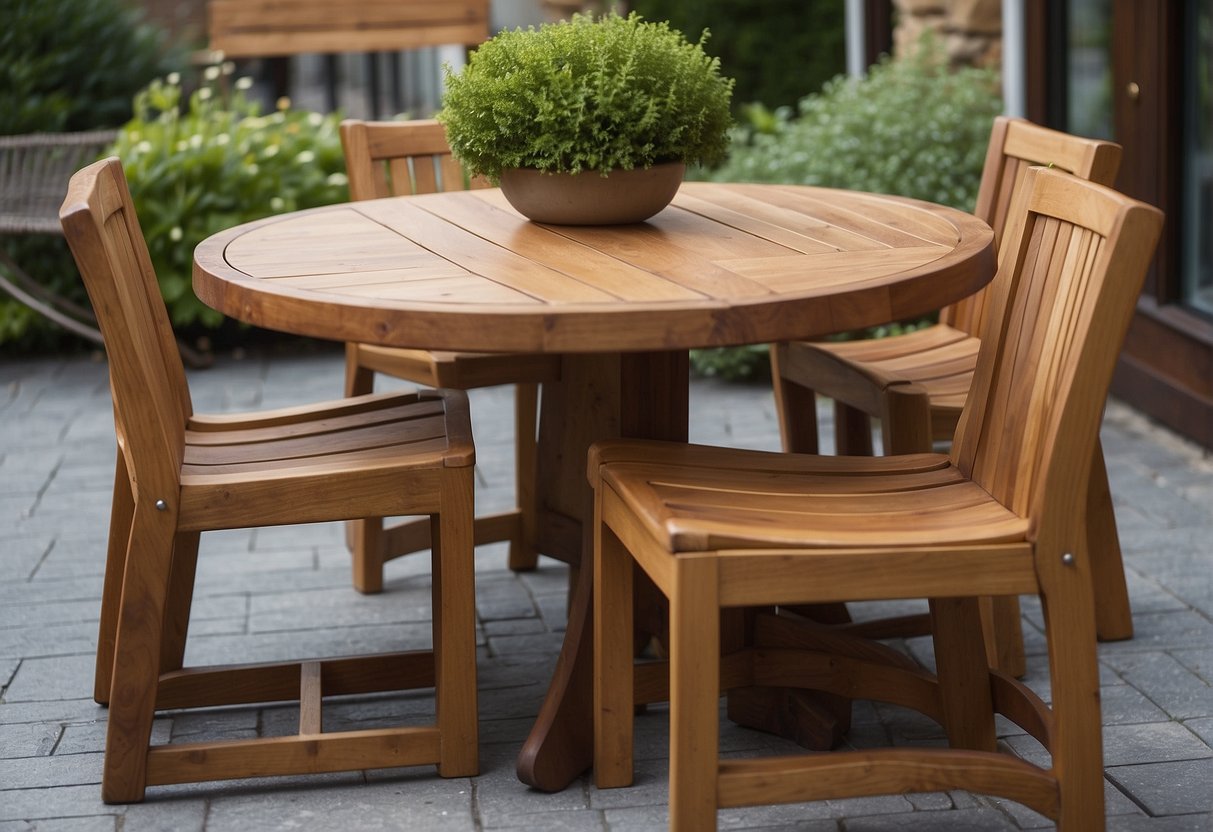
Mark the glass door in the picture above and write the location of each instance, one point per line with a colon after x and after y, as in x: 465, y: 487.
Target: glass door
x: 1196, y: 261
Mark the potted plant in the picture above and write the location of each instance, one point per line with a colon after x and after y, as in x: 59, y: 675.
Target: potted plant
x: 588, y: 121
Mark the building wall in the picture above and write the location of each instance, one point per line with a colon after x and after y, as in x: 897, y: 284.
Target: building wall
x: 970, y: 30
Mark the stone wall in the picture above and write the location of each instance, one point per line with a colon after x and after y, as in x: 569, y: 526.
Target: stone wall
x: 970, y: 30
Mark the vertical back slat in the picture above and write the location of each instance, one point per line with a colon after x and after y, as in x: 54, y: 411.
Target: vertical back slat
x: 1014, y: 145
x: 415, y: 153
x: 1053, y: 274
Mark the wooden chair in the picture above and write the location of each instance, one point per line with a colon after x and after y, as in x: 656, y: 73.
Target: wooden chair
x: 180, y: 474
x: 719, y: 529
x: 413, y: 157
x: 916, y: 384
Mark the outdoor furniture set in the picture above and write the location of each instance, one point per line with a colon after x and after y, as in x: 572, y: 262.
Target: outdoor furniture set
x: 434, y: 282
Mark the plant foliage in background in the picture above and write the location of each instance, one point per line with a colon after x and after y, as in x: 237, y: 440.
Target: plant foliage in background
x: 213, y: 164
x: 912, y: 127
x: 777, y: 50
x: 66, y: 65
x: 73, y: 64
x: 585, y: 94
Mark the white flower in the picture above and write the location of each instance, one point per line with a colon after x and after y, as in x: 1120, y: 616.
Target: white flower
x: 228, y: 67
x: 306, y: 157
x: 181, y: 145
x: 337, y: 179
x: 211, y: 73
x: 174, y: 78
x: 271, y: 151
x: 277, y: 203
x: 252, y: 169
x: 315, y: 119
x: 244, y: 83
x: 143, y: 147
x: 204, y: 93
x: 222, y: 139
x: 195, y: 141
x: 174, y: 234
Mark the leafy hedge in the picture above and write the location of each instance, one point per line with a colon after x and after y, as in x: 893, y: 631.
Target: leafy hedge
x: 777, y: 50
x: 73, y: 64
x: 212, y: 164
x: 66, y: 65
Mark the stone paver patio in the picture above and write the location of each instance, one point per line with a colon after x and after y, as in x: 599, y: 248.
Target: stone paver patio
x: 282, y: 593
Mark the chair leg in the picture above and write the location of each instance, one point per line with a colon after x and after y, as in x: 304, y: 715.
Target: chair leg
x: 613, y: 669
x: 358, y: 379
x: 179, y: 601
x: 367, y: 551
x: 796, y: 407
x: 964, y: 677
x: 852, y: 431
x: 132, y: 706
x: 121, y: 512
x: 1075, y: 742
x: 1113, y: 615
x: 1003, y: 629
x: 694, y: 695
x: 454, y: 601
x: 523, y: 557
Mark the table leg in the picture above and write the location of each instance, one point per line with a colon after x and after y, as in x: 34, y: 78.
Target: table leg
x: 642, y: 395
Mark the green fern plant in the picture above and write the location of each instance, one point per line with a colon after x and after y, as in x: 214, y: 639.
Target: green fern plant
x: 585, y: 94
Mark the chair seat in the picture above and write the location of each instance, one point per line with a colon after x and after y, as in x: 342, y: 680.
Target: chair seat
x: 361, y: 445
x: 696, y: 498
x: 939, y: 359
x: 458, y: 370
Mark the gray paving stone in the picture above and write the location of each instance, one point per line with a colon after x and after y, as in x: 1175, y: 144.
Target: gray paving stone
x: 30, y: 739
x: 1169, y: 788
x: 37, y: 804
x: 177, y: 815
x: 68, y: 677
x: 964, y: 819
x: 1174, y: 823
x: 1165, y: 680
x: 95, y: 823
x: 57, y: 770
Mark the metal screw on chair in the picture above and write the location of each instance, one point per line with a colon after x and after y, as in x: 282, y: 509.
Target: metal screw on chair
x: 1067, y: 559
x: 161, y: 505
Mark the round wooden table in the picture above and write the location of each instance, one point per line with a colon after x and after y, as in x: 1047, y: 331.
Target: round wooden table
x: 724, y: 265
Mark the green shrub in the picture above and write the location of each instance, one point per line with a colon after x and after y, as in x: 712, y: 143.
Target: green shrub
x: 197, y: 170
x: 912, y: 127
x: 65, y: 65
x: 587, y: 95
x: 73, y: 64
x: 777, y: 50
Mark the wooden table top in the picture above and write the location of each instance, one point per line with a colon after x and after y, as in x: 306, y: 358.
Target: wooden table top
x: 724, y: 265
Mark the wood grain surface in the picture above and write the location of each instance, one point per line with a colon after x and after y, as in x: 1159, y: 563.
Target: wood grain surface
x: 724, y: 265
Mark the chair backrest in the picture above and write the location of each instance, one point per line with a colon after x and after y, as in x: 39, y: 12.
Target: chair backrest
x: 1073, y: 262
x: 260, y: 28
x: 1016, y: 145
x: 151, y: 397
x: 399, y: 158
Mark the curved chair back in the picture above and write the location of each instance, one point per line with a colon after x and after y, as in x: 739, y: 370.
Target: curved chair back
x: 399, y: 158
x: 1016, y: 145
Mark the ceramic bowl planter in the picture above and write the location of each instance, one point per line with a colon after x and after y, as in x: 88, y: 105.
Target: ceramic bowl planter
x: 588, y: 197
x: 588, y: 121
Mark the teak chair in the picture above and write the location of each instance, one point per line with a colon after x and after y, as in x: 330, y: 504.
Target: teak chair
x: 1002, y: 515
x: 916, y: 384
x: 180, y: 474
x: 413, y: 157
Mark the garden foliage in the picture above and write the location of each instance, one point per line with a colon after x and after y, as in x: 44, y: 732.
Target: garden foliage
x: 215, y: 163
x: 73, y: 64
x: 777, y: 50
x: 578, y: 95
